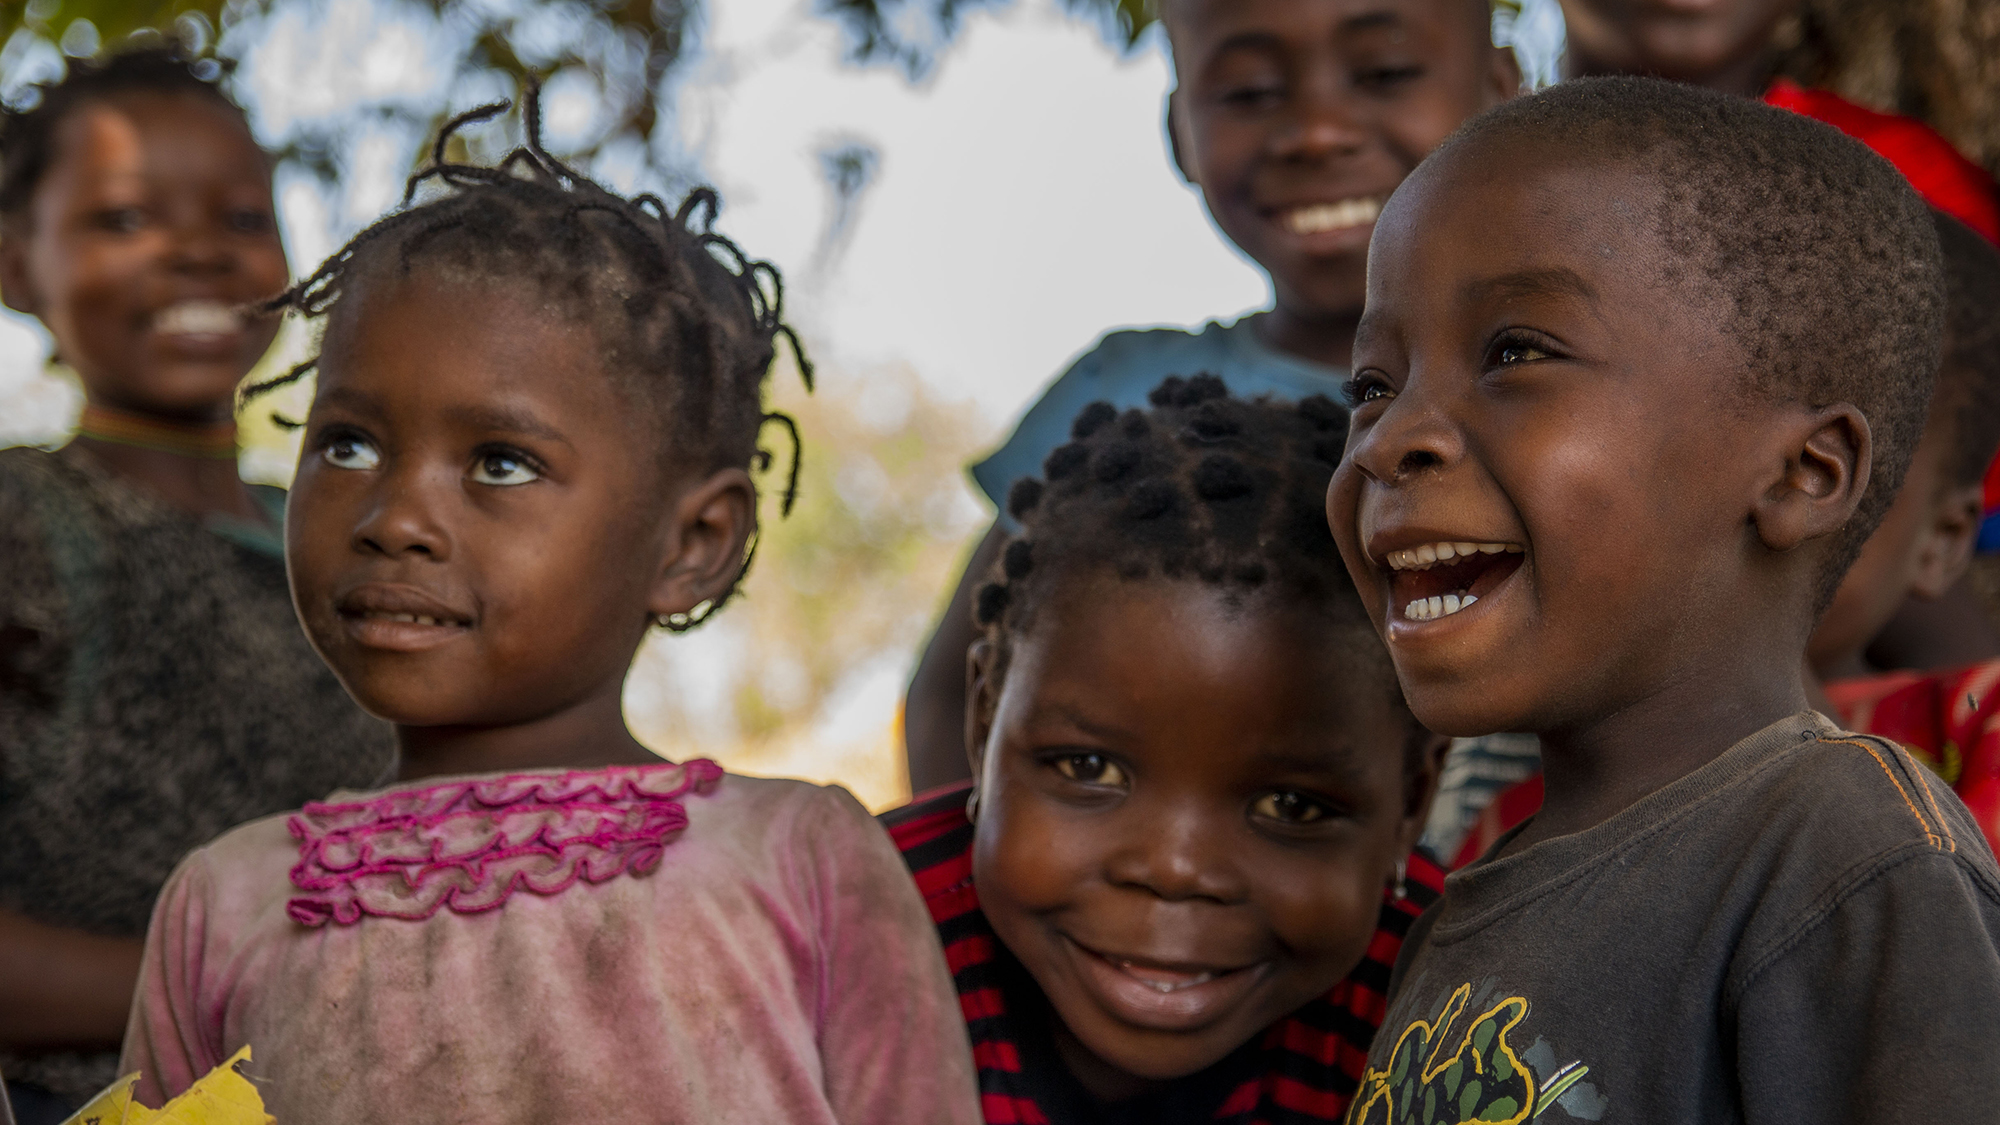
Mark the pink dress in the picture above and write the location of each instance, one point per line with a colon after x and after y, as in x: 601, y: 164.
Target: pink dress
x: 639, y: 944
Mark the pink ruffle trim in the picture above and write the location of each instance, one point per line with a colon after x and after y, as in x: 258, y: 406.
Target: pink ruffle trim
x: 469, y: 845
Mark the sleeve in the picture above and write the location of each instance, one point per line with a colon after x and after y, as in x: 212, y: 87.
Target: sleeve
x: 1044, y: 427
x: 893, y: 1043
x: 1885, y: 1005
x: 174, y: 1035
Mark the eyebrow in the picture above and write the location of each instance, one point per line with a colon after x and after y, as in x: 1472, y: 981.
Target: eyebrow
x: 1369, y: 21
x: 1525, y: 284
x: 1058, y: 712
x: 485, y: 417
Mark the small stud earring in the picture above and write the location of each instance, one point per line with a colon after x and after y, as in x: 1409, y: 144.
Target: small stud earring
x: 1402, y: 890
x: 972, y: 805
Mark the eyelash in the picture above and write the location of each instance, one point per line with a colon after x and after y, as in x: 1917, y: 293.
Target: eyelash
x: 1512, y: 339
x: 1355, y: 390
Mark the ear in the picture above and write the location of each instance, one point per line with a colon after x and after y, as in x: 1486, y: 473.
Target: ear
x: 16, y: 290
x: 702, y: 552
x: 1177, y: 145
x: 1825, y: 475
x: 1503, y: 76
x: 1421, y: 784
x: 1944, y: 553
x: 982, y: 696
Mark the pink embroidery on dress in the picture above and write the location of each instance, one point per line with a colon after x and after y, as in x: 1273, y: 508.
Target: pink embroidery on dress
x: 468, y: 845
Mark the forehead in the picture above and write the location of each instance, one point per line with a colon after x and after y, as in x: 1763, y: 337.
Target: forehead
x: 1173, y: 665
x: 1203, y: 27
x: 157, y: 136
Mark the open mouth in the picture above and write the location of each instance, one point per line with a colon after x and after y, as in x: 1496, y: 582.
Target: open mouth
x: 400, y: 618
x: 1322, y: 218
x: 1439, y: 579
x: 1166, y: 996
x: 198, y: 318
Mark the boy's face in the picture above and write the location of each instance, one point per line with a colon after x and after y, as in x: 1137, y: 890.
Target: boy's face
x: 1683, y: 40
x: 1188, y: 814
x: 150, y: 229
x: 1529, y: 386
x: 1297, y: 118
x: 476, y: 506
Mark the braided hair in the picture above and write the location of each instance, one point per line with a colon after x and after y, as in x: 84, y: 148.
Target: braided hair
x: 28, y: 133
x: 684, y: 319
x: 1203, y: 487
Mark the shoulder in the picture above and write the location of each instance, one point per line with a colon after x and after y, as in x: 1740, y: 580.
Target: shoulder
x: 243, y: 873
x: 1859, y: 795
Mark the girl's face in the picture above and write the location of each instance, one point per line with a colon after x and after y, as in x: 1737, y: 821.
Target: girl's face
x: 479, y: 531
x: 1188, y: 813
x: 150, y: 229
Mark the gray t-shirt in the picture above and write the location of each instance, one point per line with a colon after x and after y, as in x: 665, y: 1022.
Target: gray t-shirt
x: 1806, y: 929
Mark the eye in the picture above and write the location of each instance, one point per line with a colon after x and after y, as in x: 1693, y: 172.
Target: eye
x: 249, y: 220
x: 1090, y: 769
x: 502, y: 468
x: 120, y: 220
x: 1382, y: 77
x: 1364, y: 387
x: 350, y: 451
x: 1291, y: 807
x: 1514, y: 348
x: 1259, y: 95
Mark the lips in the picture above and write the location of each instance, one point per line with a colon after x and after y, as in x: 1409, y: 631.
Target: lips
x: 1440, y: 578
x: 1164, y: 995
x: 400, y: 618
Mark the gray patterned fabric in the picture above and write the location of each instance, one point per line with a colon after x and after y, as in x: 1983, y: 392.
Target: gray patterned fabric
x: 155, y: 690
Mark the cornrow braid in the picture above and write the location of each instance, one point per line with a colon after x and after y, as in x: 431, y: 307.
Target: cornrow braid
x: 1202, y: 487
x: 684, y: 318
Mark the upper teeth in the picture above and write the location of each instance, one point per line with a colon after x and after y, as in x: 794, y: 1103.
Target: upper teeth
x: 1430, y: 554
x: 413, y: 618
x: 1164, y: 985
x: 197, y: 318
x: 1321, y: 217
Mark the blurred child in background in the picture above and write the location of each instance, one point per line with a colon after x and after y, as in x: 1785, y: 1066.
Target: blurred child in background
x: 537, y: 408
x: 1197, y: 784
x: 154, y: 685
x: 1296, y: 119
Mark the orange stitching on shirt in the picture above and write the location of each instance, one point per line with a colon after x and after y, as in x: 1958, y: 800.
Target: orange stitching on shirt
x: 1951, y: 844
x: 1891, y: 775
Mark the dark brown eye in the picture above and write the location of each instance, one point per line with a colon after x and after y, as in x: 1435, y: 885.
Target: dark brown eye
x: 1090, y: 769
x: 1290, y: 807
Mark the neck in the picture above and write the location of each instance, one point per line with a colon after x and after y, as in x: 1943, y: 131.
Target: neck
x: 1595, y: 770
x: 587, y: 735
x: 1747, y: 77
x: 1323, y: 339
x: 189, y: 464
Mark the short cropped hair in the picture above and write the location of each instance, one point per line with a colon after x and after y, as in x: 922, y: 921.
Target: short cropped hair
x: 1823, y: 258
x: 1968, y: 390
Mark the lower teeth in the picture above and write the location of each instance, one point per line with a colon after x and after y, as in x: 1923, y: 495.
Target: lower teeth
x: 1431, y: 608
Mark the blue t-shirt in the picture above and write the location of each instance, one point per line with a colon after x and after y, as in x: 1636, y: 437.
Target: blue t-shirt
x: 1124, y: 368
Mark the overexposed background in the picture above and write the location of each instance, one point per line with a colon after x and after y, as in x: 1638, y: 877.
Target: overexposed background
x: 948, y: 245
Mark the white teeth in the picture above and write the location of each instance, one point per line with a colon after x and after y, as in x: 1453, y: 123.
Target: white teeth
x: 408, y: 618
x: 197, y: 318
x: 1430, y: 554
x: 1432, y: 608
x: 1162, y: 986
x: 1322, y: 217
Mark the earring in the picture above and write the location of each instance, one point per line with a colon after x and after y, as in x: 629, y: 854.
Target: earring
x: 1402, y: 890
x: 972, y: 805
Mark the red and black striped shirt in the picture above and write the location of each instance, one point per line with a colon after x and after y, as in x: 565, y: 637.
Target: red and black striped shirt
x: 1304, y: 1070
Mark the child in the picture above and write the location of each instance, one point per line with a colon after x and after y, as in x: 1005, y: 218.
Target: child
x: 1197, y: 788
x: 536, y: 408
x: 1658, y: 357
x: 1919, y: 551
x: 1296, y: 119
x: 154, y: 686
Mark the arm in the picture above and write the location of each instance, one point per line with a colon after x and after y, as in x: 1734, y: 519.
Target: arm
x: 62, y: 988
x: 934, y: 710
x: 1885, y: 1007
x: 892, y: 1039
x: 164, y: 1040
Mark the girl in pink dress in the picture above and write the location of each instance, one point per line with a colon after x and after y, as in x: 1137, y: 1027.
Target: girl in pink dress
x: 537, y: 406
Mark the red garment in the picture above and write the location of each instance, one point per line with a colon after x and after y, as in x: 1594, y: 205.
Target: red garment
x: 1944, y: 177
x: 1949, y: 721
x: 1305, y: 1071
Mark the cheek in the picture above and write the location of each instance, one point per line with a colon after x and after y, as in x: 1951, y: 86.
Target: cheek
x: 1325, y: 915
x: 1026, y: 859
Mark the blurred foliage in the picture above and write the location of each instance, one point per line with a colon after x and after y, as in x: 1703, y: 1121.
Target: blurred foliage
x: 911, y: 34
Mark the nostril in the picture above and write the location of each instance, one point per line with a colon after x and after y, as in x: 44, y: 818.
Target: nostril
x: 1416, y: 461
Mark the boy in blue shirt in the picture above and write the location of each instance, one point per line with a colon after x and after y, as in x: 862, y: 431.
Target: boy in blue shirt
x: 1296, y: 119
x: 1642, y: 367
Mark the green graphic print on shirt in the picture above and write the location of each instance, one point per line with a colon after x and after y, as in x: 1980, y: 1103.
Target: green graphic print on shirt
x: 1455, y: 1070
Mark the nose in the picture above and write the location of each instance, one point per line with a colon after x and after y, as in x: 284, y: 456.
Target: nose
x: 404, y: 520
x: 1322, y: 125
x: 1178, y: 858
x: 1410, y: 436
x: 200, y: 247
